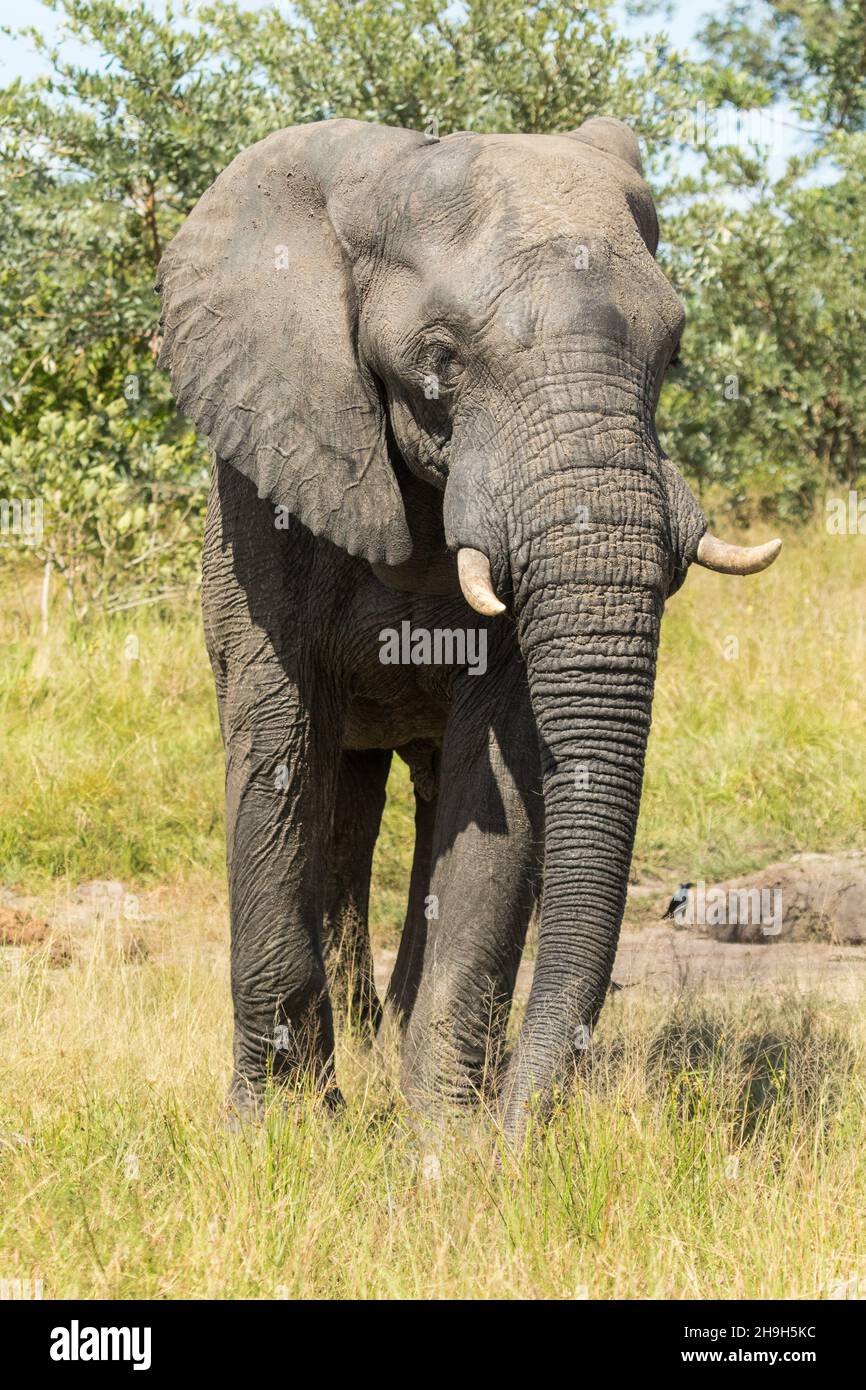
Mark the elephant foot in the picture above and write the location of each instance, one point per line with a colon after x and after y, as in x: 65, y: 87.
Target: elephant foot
x: 247, y: 1106
x: 243, y: 1106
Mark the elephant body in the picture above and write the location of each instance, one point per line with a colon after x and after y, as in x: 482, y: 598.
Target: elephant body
x: 428, y: 371
x: 310, y: 717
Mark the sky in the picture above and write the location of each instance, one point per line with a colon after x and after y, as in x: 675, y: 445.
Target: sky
x: 19, y: 59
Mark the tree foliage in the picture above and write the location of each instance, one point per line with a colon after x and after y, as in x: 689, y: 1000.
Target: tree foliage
x: 769, y: 407
x: 100, y: 161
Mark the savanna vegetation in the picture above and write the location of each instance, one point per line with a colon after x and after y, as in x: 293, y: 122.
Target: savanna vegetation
x: 715, y: 1150
x: 715, y: 1147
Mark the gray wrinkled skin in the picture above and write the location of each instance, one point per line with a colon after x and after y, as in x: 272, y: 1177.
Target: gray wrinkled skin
x: 329, y: 276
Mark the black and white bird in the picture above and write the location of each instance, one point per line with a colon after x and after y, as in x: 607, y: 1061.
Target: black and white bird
x: 678, y: 901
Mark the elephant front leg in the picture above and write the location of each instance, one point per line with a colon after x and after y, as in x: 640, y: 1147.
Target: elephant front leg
x: 281, y: 768
x: 484, y: 883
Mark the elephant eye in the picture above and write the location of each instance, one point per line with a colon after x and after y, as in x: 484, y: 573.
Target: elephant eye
x: 441, y: 368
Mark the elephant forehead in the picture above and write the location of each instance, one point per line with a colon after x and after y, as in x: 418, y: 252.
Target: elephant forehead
x: 489, y: 211
x: 538, y: 236
x: 467, y: 183
x: 523, y: 294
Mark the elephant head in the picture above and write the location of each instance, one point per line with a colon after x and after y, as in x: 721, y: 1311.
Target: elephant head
x: 367, y: 322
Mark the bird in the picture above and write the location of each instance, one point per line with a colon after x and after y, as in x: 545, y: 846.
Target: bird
x: 678, y: 901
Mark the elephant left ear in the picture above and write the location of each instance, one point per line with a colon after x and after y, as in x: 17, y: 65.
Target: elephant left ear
x: 615, y: 137
x: 260, y: 318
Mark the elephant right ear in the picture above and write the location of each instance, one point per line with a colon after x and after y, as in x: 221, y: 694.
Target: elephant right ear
x: 260, y: 324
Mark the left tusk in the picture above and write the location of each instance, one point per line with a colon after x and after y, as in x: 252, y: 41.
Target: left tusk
x: 718, y: 555
x: 473, y: 569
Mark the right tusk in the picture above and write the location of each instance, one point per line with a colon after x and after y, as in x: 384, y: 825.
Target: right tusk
x: 718, y: 555
x: 473, y: 569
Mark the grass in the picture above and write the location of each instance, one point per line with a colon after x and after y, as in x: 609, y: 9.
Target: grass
x: 755, y: 757
x: 113, y: 767
x: 715, y: 1151
x: 714, y: 1148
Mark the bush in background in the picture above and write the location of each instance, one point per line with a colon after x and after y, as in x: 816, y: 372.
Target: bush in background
x: 100, y: 162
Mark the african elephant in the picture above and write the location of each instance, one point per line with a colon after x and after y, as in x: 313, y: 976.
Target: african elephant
x: 428, y: 370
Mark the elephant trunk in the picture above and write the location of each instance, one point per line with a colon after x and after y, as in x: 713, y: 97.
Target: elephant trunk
x: 588, y: 592
x: 566, y: 507
x: 591, y: 676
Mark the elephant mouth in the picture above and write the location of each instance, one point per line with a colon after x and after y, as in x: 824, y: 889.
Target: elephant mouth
x: 473, y: 568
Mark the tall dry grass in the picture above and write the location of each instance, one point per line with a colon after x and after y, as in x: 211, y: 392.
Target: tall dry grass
x: 713, y: 1149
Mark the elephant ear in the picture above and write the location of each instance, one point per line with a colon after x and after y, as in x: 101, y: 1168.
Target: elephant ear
x: 607, y: 133
x: 617, y: 139
x: 260, y: 318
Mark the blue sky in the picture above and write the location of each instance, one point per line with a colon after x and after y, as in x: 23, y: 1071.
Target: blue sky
x: 19, y: 59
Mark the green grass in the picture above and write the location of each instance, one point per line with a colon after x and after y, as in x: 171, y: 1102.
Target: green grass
x: 113, y: 768
x: 753, y: 758
x: 715, y: 1151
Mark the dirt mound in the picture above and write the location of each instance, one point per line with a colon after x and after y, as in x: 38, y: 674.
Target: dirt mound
x: 822, y: 897
x: 810, y: 897
x: 22, y: 932
x: 96, y: 917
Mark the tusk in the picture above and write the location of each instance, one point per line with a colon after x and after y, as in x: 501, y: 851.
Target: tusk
x: 717, y: 555
x: 473, y: 569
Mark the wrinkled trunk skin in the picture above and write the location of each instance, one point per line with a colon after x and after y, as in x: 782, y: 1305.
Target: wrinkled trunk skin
x: 590, y: 645
x: 591, y: 684
x: 588, y: 550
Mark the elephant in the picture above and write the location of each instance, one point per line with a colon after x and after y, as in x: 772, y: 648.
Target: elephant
x: 428, y: 371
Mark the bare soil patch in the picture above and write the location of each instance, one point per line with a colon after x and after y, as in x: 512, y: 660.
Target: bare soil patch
x: 23, y: 934
x: 822, y: 944
x: 96, y: 915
